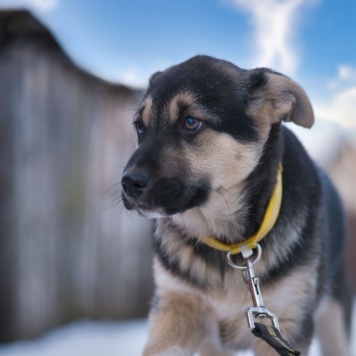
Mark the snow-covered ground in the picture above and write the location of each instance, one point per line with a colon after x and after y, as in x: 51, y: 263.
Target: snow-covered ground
x: 85, y: 338
x: 89, y: 338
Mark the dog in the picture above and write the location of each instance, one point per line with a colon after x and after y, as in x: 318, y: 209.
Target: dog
x: 211, y: 138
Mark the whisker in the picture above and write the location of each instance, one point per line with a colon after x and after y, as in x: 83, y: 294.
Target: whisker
x: 107, y: 191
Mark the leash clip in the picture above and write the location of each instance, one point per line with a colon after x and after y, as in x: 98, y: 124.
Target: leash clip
x: 270, y: 334
x: 252, y: 282
x: 258, y: 310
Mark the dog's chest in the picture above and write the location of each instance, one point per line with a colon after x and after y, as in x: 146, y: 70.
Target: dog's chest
x: 229, y: 307
x: 287, y: 300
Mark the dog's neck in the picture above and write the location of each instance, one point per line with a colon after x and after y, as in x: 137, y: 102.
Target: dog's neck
x: 233, y: 214
x: 221, y: 217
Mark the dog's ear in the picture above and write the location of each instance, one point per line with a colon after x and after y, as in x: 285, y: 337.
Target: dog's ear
x: 276, y: 98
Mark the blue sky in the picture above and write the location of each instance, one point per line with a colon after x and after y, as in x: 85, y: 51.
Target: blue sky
x: 313, y: 41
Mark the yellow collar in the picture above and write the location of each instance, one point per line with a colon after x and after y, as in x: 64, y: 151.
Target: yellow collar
x: 268, y: 222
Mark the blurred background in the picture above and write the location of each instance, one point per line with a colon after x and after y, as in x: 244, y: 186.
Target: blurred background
x: 71, y: 75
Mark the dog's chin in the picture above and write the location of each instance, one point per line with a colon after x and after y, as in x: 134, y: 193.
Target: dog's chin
x: 147, y: 212
x: 152, y: 214
x: 155, y: 212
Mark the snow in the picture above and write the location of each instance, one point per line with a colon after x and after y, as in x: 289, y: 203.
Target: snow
x: 107, y: 338
x: 87, y: 338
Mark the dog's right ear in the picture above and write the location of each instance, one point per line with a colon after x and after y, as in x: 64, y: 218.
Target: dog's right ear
x: 275, y: 97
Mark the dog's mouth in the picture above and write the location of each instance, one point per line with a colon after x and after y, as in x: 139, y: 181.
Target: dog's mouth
x: 144, y: 209
x: 164, y: 197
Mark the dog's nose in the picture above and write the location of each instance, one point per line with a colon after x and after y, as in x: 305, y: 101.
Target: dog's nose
x: 134, y: 182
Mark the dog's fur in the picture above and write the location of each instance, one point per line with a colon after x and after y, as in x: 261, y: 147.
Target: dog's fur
x: 217, y: 181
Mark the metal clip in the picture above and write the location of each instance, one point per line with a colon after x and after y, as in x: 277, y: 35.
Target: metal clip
x: 258, y: 310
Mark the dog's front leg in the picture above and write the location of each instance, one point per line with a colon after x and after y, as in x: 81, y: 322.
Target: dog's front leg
x: 176, y: 326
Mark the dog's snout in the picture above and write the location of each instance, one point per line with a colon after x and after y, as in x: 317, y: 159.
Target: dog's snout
x: 134, y: 182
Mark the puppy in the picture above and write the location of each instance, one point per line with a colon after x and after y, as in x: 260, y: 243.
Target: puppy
x: 210, y: 143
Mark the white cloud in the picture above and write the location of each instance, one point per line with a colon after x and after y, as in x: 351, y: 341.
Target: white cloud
x: 323, y: 142
x: 137, y: 76
x: 43, y: 5
x: 40, y: 5
x: 346, y: 75
x: 131, y: 77
x: 340, y: 104
x: 346, y: 72
x: 275, y: 26
x: 340, y: 108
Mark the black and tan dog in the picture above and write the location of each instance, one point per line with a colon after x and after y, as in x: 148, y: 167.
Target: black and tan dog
x: 210, y: 141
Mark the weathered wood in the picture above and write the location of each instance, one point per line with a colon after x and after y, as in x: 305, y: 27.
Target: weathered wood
x: 68, y: 249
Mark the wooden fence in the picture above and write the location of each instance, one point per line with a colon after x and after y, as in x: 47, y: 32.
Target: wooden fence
x: 68, y: 248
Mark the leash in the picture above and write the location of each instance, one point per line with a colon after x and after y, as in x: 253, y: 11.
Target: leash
x: 270, y: 334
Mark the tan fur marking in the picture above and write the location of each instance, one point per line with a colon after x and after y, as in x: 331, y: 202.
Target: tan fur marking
x: 147, y: 111
x: 176, y: 325
x: 228, y: 163
x: 227, y: 160
x: 209, y: 348
x: 183, y: 98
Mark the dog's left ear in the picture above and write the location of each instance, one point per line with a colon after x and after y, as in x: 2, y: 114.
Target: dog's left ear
x: 276, y: 98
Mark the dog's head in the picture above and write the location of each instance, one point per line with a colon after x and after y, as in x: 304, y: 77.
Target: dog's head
x: 201, y: 128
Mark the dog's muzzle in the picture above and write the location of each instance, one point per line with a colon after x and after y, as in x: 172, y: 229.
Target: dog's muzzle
x: 148, y: 192
x: 134, y: 182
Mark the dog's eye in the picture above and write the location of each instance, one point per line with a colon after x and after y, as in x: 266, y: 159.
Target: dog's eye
x: 192, y: 124
x: 139, y: 127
